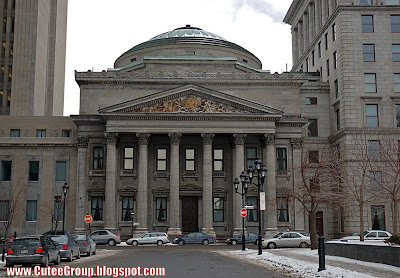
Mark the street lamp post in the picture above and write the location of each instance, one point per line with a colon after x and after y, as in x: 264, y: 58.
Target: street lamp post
x: 132, y: 214
x: 65, y: 188
x: 261, y: 171
x: 245, y: 182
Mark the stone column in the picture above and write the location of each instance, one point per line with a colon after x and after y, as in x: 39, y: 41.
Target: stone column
x: 110, y: 218
x: 295, y: 55
x: 271, y: 214
x: 317, y: 19
x: 207, y: 184
x: 305, y: 31
x: 81, y: 197
x: 323, y: 12
x: 310, y: 24
x: 174, y: 228
x: 141, y: 211
x: 239, y: 167
x: 300, y: 37
x: 299, y: 220
x: 331, y: 7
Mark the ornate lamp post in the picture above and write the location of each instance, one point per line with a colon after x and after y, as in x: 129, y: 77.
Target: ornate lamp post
x: 65, y: 188
x: 132, y: 214
x: 261, y: 171
x: 245, y: 183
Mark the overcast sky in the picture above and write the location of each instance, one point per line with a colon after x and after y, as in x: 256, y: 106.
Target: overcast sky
x: 99, y: 31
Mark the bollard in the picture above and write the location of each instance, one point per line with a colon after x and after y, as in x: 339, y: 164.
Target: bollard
x: 321, y: 253
x: 15, y: 234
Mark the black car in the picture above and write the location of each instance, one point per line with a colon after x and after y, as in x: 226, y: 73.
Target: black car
x: 249, y: 238
x: 31, y: 250
x: 86, y: 243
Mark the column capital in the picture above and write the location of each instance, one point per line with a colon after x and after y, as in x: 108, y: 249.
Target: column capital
x: 111, y: 137
x: 297, y: 143
x: 143, y: 138
x: 239, y: 138
x: 269, y: 139
x: 82, y: 141
x: 175, y: 138
x: 207, y: 138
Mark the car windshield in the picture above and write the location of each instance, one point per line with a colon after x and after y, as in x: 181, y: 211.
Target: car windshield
x: 79, y: 237
x: 278, y: 235
x: 26, y: 242
x: 59, y: 239
x: 365, y: 233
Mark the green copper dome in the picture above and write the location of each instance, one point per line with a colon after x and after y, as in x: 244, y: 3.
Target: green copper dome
x: 187, y: 31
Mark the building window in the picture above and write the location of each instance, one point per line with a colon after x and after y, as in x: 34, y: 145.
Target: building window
x: 66, y: 133
x: 161, y: 209
x: 375, y: 178
x: 312, y: 128
x: 367, y: 22
x: 283, y: 209
x: 314, y: 185
x: 327, y: 68
x: 40, y: 133
x: 4, y: 210
x: 371, y: 113
x: 189, y: 160
x: 397, y: 82
x: 395, y: 23
x: 335, y: 61
x: 373, y: 149
x: 398, y: 114
x: 33, y: 171
x: 320, y: 70
x: 58, y: 209
x: 311, y: 101
x: 251, y: 156
x: 31, y: 211
x: 252, y: 213
x: 97, y: 208
x: 6, y: 170
x: 61, y: 171
x: 98, y: 158
x: 369, y: 52
x: 218, y: 160
x: 319, y: 50
x: 128, y: 158
x: 334, y: 32
x: 326, y: 41
x: 337, y: 112
x: 161, y: 160
x: 15, y: 133
x: 378, y: 218
x: 127, y: 208
x: 396, y: 52
x: 370, y: 82
x: 336, y: 84
x: 365, y: 2
x: 218, y: 209
x: 313, y: 156
x: 313, y: 58
x: 392, y: 2
x: 307, y: 65
x: 281, y: 159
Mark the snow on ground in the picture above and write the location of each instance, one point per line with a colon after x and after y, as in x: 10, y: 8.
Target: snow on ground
x: 293, y: 267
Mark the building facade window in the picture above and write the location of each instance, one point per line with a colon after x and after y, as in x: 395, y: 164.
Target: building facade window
x: 161, y: 209
x: 190, y: 164
x: 128, y: 158
x: 161, y: 159
x: 283, y: 209
x: 313, y: 156
x: 371, y: 113
x: 335, y: 61
x: 307, y: 65
x: 6, y: 170
x: 311, y: 101
x: 326, y: 41
x: 392, y: 2
x: 218, y: 158
x: 251, y: 156
x: 40, y: 133
x: 337, y: 112
x: 252, y: 213
x: 312, y: 128
x: 395, y: 23
x: 61, y: 170
x: 33, y: 171
x: 367, y: 22
x: 97, y: 208
x: 365, y: 2
x: 334, y: 32
x: 336, y: 84
x: 15, y: 133
x: 218, y: 209
x: 369, y: 52
x: 396, y: 52
x: 127, y: 208
x: 396, y: 82
x: 58, y: 209
x: 370, y: 82
x: 98, y: 158
x: 66, y: 133
x: 378, y: 218
x: 31, y: 211
x: 281, y: 159
x: 4, y: 210
x: 319, y: 50
x: 375, y: 178
x: 313, y: 58
x: 398, y: 115
x: 327, y: 68
x: 373, y: 149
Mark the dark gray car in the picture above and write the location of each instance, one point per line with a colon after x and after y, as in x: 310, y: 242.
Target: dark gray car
x: 69, y: 248
x: 86, y: 243
x: 249, y: 238
x: 32, y: 250
x: 195, y: 238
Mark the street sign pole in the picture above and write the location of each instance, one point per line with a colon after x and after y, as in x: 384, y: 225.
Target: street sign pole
x: 243, y: 213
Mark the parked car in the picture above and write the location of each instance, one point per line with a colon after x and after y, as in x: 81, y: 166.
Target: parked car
x: 110, y: 237
x: 149, y: 238
x: 369, y: 235
x: 86, y: 244
x: 6, y: 238
x: 32, y: 250
x: 69, y: 248
x: 58, y: 232
x: 249, y: 238
x: 288, y: 239
x: 202, y: 238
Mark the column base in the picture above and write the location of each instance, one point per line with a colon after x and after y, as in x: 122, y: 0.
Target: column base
x: 270, y: 232
x: 79, y: 230
x: 238, y: 231
x: 140, y: 231
x: 174, y: 232
x: 209, y: 231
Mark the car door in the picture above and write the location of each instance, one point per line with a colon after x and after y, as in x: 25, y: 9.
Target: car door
x: 382, y: 235
x: 145, y: 239
x: 371, y: 236
x: 283, y: 240
x: 95, y: 237
x: 51, y: 248
x: 295, y: 240
x: 191, y: 238
x: 104, y: 237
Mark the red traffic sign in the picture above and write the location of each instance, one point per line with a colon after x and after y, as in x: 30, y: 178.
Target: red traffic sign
x: 88, y: 218
x: 243, y: 212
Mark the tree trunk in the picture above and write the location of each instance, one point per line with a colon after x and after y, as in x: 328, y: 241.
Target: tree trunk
x: 313, y: 230
x: 395, y: 217
x: 361, y: 221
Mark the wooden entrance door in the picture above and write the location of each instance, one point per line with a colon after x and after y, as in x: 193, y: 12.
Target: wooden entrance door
x: 190, y: 214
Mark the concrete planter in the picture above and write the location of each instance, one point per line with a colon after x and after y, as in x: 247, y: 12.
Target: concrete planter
x: 369, y: 253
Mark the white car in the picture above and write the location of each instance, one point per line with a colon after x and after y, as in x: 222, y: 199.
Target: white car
x: 288, y: 239
x: 370, y: 235
x: 149, y: 238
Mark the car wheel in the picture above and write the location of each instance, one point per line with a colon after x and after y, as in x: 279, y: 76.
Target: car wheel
x: 111, y: 242
x: 89, y: 253
x: 135, y: 243
x: 46, y: 262
x: 9, y: 265
x: 271, y: 245
x: 71, y: 257
x: 205, y: 242
x: 234, y: 242
x: 303, y: 245
x: 94, y: 252
x: 181, y: 242
x: 159, y: 243
x: 79, y: 255
x: 58, y: 260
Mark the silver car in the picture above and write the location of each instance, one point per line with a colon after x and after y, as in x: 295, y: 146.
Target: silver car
x: 289, y: 239
x: 369, y: 235
x: 149, y: 238
x: 110, y: 237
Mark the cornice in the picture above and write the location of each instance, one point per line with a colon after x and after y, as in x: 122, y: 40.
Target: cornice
x: 359, y: 131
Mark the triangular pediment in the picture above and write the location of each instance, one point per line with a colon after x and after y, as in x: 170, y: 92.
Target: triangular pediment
x: 190, y: 99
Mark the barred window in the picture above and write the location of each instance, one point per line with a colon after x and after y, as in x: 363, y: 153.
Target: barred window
x: 97, y: 208
x: 161, y: 209
x: 98, y: 157
x: 283, y: 209
x: 281, y: 158
x: 127, y: 208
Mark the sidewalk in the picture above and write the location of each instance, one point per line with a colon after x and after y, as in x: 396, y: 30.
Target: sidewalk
x: 304, y: 263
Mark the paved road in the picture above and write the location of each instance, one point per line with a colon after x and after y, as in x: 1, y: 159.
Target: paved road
x: 179, y: 261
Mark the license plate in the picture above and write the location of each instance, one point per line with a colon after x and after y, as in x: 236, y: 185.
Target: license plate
x: 24, y: 251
